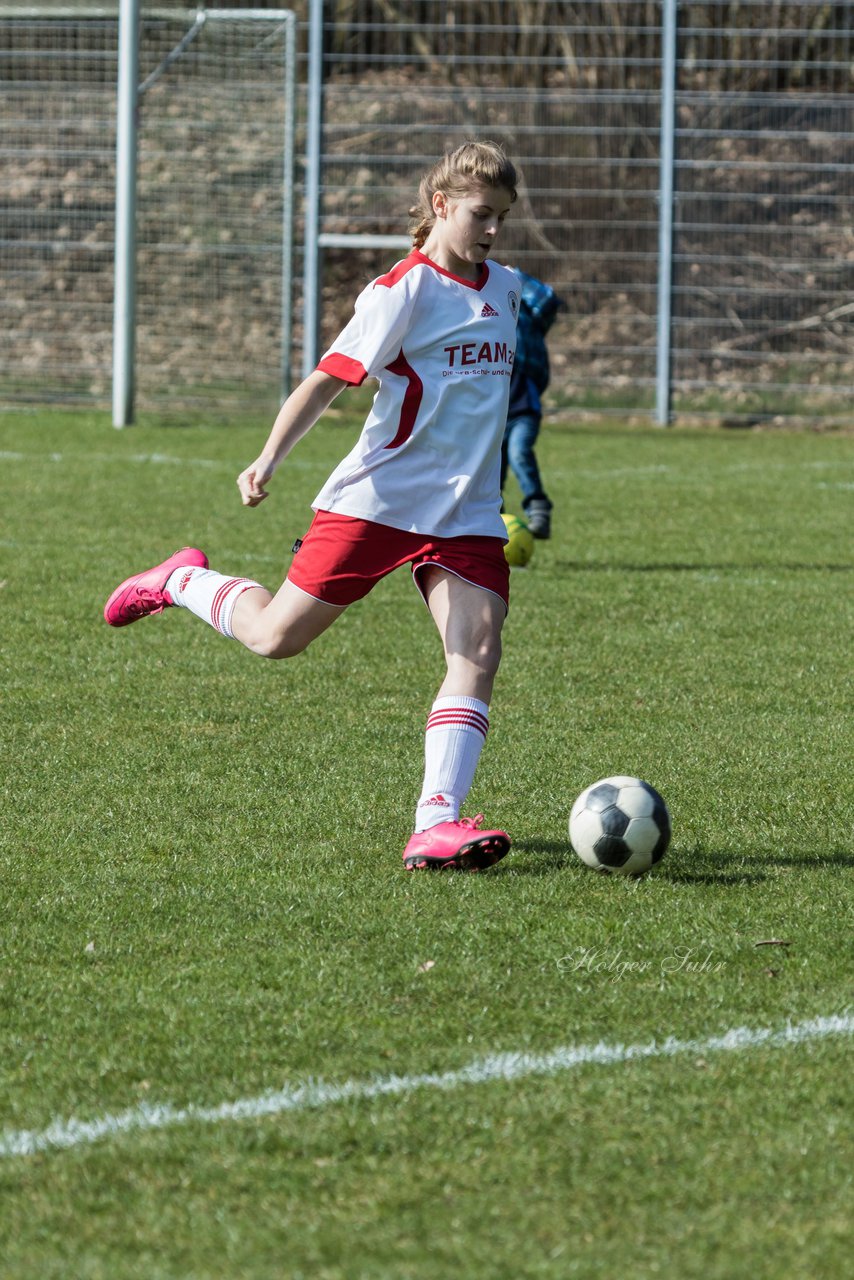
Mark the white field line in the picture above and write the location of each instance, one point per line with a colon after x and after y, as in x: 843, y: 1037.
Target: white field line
x: 161, y: 459
x: 577, y: 473
x: 146, y: 459
x: 679, y: 473
x: 313, y: 1094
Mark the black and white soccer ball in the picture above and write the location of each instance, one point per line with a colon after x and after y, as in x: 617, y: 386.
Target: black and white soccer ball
x: 620, y: 825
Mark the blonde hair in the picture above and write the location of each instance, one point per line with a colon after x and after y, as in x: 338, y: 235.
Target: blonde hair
x: 474, y: 164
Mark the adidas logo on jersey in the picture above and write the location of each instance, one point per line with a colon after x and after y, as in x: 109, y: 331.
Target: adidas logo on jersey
x: 488, y: 311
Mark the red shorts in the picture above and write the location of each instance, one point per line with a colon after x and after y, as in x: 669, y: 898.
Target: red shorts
x: 342, y: 558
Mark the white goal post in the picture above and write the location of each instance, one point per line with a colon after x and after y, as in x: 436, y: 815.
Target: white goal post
x: 147, y: 237
x: 130, y: 92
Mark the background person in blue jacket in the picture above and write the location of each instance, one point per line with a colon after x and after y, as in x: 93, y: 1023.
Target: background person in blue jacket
x: 538, y: 307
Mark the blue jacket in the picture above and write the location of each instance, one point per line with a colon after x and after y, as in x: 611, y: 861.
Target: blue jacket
x: 539, y: 304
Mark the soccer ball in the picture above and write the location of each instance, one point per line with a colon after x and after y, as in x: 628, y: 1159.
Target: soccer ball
x: 620, y: 825
x: 520, y: 546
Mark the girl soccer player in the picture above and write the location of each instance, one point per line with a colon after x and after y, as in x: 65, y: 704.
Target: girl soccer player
x: 420, y: 487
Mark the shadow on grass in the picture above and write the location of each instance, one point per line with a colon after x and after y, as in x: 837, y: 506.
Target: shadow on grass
x: 550, y: 855
x: 545, y: 857
x: 778, y: 566
x: 746, y: 868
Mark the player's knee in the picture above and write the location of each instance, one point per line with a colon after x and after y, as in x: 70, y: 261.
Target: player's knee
x: 274, y: 644
x: 484, y: 653
x: 490, y: 655
x: 283, y: 649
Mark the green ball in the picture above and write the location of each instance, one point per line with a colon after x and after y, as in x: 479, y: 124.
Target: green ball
x: 520, y: 544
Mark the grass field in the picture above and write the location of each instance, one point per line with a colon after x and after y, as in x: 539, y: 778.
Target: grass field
x: 237, y: 1040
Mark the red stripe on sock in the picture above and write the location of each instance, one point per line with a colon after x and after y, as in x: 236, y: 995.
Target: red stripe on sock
x: 220, y: 599
x: 461, y: 717
x: 457, y: 713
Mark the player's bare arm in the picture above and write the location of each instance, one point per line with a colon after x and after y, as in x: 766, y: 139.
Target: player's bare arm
x: 295, y: 418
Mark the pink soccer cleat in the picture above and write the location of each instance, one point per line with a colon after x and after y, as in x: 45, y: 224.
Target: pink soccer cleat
x: 145, y: 593
x: 456, y: 846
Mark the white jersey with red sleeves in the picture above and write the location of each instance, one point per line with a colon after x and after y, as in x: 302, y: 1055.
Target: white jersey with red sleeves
x: 429, y: 456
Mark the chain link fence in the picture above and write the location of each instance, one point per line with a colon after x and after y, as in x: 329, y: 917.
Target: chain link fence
x: 210, y: 217
x: 763, y: 249
x: 762, y: 322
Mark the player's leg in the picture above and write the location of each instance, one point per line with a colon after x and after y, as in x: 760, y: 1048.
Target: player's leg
x: 277, y: 626
x: 339, y: 561
x: 523, y: 460
x: 282, y: 625
x: 469, y: 620
x: 505, y: 456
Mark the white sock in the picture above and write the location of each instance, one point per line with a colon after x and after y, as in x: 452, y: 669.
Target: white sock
x: 456, y: 732
x: 209, y: 595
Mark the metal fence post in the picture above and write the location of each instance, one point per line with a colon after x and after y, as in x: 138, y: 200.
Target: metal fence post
x: 124, y: 289
x: 313, y: 142
x: 669, y: 20
x: 288, y: 204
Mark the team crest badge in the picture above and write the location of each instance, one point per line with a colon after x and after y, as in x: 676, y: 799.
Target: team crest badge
x: 513, y: 299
